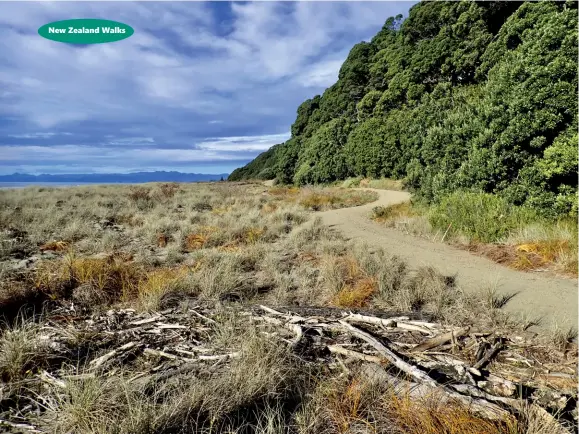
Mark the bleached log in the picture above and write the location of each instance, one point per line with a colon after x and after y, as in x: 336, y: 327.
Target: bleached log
x: 422, y: 391
x: 163, y: 326
x: 158, y: 353
x: 146, y: 320
x: 485, y: 408
x: 293, y: 317
x: 384, y: 322
x: 50, y: 379
x: 20, y: 426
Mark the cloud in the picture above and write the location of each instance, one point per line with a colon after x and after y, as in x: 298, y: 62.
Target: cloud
x: 196, y: 82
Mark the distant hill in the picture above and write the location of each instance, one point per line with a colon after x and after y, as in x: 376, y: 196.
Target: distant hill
x: 458, y: 96
x: 112, y: 178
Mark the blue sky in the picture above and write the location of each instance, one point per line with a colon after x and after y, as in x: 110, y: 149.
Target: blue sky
x: 199, y: 87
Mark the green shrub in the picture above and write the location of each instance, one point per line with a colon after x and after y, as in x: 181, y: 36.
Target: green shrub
x: 482, y: 217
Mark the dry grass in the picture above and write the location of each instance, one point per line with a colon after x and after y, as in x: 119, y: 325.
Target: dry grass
x: 393, y: 212
x: 381, y: 183
x: 320, y: 199
x: 151, y: 246
x: 253, y: 390
x: 21, y: 351
x: 431, y: 417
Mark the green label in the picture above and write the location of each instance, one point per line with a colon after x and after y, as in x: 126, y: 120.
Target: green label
x: 85, y: 31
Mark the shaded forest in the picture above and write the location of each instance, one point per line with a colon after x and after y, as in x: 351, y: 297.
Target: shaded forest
x: 459, y: 96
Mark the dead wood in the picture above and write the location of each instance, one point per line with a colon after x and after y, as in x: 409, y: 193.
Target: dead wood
x: 489, y: 354
x: 440, y: 340
x: 429, y: 359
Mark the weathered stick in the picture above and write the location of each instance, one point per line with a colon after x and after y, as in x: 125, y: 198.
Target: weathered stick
x: 146, y: 320
x: 50, y: 379
x: 439, y: 340
x: 384, y: 322
x: 158, y: 353
x: 336, y: 349
x: 220, y: 357
x: 489, y: 410
x: 21, y: 426
x: 489, y: 355
x: 102, y: 359
x: 275, y: 312
x: 209, y: 320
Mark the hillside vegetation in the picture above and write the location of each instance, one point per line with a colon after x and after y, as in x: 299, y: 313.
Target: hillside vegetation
x: 458, y: 96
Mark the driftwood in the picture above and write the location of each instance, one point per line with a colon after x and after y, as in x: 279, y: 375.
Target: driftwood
x: 440, y: 340
x: 481, y: 407
x: 411, y: 354
x: 489, y: 355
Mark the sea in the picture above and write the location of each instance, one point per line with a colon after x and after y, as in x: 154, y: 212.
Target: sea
x: 5, y: 185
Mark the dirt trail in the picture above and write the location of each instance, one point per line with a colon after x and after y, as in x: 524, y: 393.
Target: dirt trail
x: 550, y: 297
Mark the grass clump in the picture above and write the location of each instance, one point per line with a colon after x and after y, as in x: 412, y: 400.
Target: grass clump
x: 322, y: 198
x: 392, y: 212
x: 482, y: 217
x: 21, y: 351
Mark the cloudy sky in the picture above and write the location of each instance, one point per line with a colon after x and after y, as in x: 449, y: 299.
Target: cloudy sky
x: 199, y: 87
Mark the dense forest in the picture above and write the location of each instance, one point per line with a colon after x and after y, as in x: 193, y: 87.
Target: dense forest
x: 478, y: 96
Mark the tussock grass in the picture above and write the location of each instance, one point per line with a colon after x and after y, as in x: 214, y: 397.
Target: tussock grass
x: 21, y: 351
x: 156, y: 245
x: 381, y: 183
x: 259, y: 388
x: 322, y: 198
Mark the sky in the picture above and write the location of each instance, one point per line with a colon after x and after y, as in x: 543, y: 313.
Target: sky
x: 200, y: 87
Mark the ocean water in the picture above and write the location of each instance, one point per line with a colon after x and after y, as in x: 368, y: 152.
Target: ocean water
x: 4, y: 185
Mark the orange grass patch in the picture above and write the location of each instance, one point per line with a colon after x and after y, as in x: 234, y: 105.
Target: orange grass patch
x: 358, y: 288
x: 199, y: 239
x: 345, y: 407
x: 57, y: 246
x: 431, y: 417
x: 529, y: 256
x: 357, y: 295
x: 115, y: 278
x: 162, y: 240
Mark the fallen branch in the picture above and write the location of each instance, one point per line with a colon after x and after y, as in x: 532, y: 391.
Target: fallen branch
x: 439, y: 340
x: 102, y: 359
x: 336, y: 349
x: 203, y: 317
x: 21, y: 426
x: 221, y: 356
x: 489, y: 355
x: 485, y: 408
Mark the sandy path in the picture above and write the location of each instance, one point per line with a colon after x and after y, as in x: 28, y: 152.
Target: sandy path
x: 539, y: 295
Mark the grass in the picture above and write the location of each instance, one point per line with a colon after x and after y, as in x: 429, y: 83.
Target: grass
x: 485, y: 224
x: 380, y: 183
x: 323, y: 198
x: 159, y: 245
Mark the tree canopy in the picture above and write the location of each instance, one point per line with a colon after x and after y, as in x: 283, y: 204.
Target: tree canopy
x: 459, y: 96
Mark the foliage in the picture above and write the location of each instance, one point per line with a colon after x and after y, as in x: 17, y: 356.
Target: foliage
x: 474, y: 96
x: 260, y: 168
x: 482, y: 217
